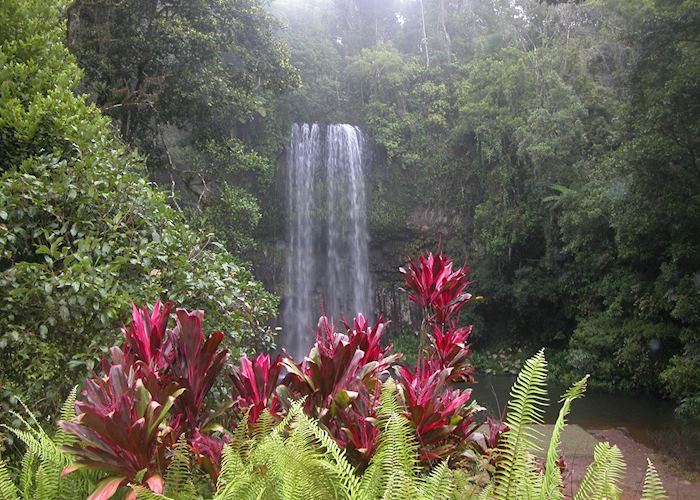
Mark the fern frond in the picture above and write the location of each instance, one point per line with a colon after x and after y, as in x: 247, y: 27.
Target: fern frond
x: 26, y: 475
x: 531, y: 484
x: 68, y: 409
x: 295, y: 410
x: 438, y: 484
x: 240, y: 433
x: 40, y: 476
x: 67, y: 414
x: 47, y: 481
x: 528, y: 398
x: 299, y: 465
x: 487, y: 493
x: 263, y: 426
x: 178, y: 477
x: 8, y: 490
x: 341, y: 467
x: 552, y: 483
x: 143, y: 493
x: 38, y: 442
x: 388, y: 401
x: 653, y: 487
x: 393, y: 470
x: 28, y: 412
x: 249, y: 487
x: 237, y: 479
x: 603, y: 475
x: 231, y: 466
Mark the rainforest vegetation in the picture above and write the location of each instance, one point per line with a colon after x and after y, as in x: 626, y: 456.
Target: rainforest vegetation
x: 549, y: 145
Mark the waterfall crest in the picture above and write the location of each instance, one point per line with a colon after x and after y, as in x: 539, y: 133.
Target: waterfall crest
x: 327, y: 260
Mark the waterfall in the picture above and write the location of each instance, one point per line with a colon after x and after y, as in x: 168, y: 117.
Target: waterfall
x: 327, y: 260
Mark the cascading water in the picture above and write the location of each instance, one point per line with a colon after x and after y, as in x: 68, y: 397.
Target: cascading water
x: 327, y: 261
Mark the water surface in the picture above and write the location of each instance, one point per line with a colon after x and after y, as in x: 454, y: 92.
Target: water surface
x: 648, y: 420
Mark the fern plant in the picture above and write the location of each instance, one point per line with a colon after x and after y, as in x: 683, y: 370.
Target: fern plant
x: 603, y: 475
x: 300, y: 460
x: 518, y: 474
x: 44, y: 461
x: 515, y: 475
x: 653, y: 488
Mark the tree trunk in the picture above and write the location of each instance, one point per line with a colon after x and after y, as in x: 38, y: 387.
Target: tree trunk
x: 424, y: 42
x: 441, y: 19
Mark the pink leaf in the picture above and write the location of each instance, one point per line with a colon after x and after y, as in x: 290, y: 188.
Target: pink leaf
x: 106, y: 488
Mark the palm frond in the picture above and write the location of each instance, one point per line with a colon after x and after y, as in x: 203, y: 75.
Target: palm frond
x: 653, y: 487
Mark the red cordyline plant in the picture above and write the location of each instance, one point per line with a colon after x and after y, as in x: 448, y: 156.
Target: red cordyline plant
x: 181, y: 355
x: 450, y: 349
x: 254, y: 386
x: 436, y: 287
x: 154, y: 387
x: 442, y: 416
x: 439, y: 290
x: 486, y: 443
x: 337, y: 367
x: 356, y: 429
x: 120, y: 429
x: 143, y: 339
x: 339, y: 376
x: 170, y: 371
x: 195, y: 364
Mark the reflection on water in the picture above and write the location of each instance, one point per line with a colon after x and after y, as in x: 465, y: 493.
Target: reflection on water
x: 646, y: 419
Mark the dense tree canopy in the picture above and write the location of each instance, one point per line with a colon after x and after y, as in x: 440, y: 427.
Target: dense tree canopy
x: 552, y: 145
x: 191, y: 85
x: 82, y: 231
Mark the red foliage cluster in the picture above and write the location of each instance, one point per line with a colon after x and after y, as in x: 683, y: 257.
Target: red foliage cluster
x: 436, y: 288
x: 151, y: 392
x: 153, y: 389
x: 254, y: 385
x: 340, y: 380
x: 441, y: 413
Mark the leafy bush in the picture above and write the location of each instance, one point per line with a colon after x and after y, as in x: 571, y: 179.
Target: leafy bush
x: 82, y: 233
